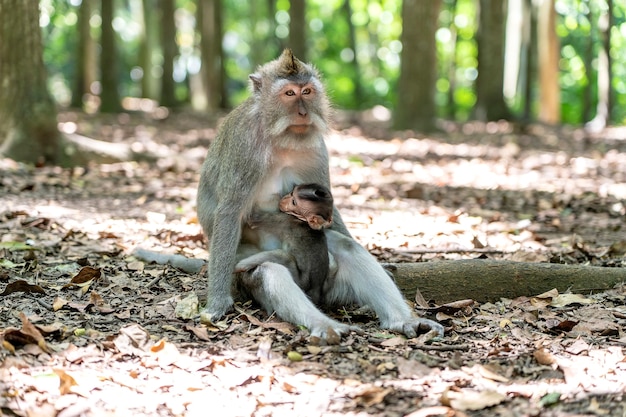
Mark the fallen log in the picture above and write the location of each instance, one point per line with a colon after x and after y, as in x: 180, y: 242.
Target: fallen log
x: 479, y: 279
x: 488, y: 280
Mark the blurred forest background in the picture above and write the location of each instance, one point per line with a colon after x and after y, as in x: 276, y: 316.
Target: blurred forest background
x: 553, y: 61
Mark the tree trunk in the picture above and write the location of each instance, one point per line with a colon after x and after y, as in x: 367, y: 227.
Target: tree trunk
x: 531, y: 54
x: 549, y: 54
x: 587, y: 99
x: 297, y: 28
x: 85, y: 55
x: 487, y: 280
x: 258, y: 43
x: 210, y: 18
x: 358, y: 88
x: 148, y: 48
x: 451, y: 64
x: 479, y: 279
x: 490, y: 103
x: 109, y: 96
x: 603, y: 108
x: 169, y: 47
x: 416, y: 107
x: 28, y: 126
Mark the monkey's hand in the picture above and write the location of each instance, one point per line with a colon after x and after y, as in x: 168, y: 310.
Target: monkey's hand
x: 278, y: 256
x: 414, y: 325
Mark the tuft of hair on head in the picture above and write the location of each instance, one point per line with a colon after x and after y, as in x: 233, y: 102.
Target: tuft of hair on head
x: 289, y: 65
x: 285, y: 66
x: 314, y: 192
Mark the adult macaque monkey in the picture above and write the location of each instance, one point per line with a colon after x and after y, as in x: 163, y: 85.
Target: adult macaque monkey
x: 304, y: 251
x: 267, y: 145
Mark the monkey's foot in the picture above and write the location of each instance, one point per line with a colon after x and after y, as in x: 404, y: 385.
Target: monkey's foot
x: 411, y: 326
x: 331, y: 330
x: 215, y: 310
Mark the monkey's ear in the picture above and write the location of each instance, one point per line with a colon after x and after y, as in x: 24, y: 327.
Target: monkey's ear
x: 256, y: 82
x: 317, y: 222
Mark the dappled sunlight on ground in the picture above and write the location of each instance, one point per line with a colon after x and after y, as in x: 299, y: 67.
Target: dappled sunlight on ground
x: 90, y: 329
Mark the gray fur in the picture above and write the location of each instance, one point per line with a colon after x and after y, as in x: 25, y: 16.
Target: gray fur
x: 249, y: 166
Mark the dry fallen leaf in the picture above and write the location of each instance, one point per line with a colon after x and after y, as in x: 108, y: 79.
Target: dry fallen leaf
x: 66, y: 381
x: 491, y: 372
x: 166, y: 353
x: 98, y: 302
x: 455, y: 306
x: 467, y: 399
x: 409, y: 368
x: 394, y: 341
x: 563, y: 300
x: 564, y: 326
x: 133, y: 340
x: 332, y: 338
x: 543, y: 357
x: 264, y: 350
x: 135, y: 266
x: 58, y: 303
x: 199, y: 331
x: 420, y: 300
x: 86, y: 274
x: 30, y: 330
x: 187, y: 308
x: 22, y: 286
x: 578, y: 347
x: 372, y: 395
x: 281, y: 326
x: 432, y: 411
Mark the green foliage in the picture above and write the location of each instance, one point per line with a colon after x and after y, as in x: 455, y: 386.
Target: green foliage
x: 253, y: 34
x: 58, y: 18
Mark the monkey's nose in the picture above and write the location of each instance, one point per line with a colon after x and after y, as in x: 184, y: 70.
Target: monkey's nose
x: 301, y: 109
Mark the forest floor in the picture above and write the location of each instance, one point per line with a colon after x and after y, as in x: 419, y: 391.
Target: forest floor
x: 89, y: 330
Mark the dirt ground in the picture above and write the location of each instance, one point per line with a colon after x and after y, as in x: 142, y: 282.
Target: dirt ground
x: 88, y: 329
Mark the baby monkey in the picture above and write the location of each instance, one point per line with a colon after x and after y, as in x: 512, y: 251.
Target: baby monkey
x: 304, y: 213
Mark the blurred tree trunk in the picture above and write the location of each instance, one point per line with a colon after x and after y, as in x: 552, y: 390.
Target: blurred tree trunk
x: 297, y: 28
x: 490, y: 280
x: 258, y: 42
x: 169, y: 47
x: 490, y: 104
x: 148, y: 48
x: 588, y: 61
x: 274, y: 40
x: 416, y: 107
x: 358, y: 88
x: 109, y: 96
x: 604, y: 106
x: 606, y: 42
x: 85, y: 55
x: 451, y: 64
x: 210, y: 23
x: 549, y: 54
x: 28, y: 126
x: 530, y: 47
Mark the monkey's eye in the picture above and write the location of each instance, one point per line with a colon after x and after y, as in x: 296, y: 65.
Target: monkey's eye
x: 293, y: 201
x: 290, y: 93
x: 306, y: 91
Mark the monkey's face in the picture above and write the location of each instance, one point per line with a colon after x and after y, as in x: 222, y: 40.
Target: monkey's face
x: 298, y: 101
x: 298, y: 110
x: 317, y: 213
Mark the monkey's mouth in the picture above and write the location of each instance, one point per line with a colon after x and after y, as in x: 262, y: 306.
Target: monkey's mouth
x: 299, y: 129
